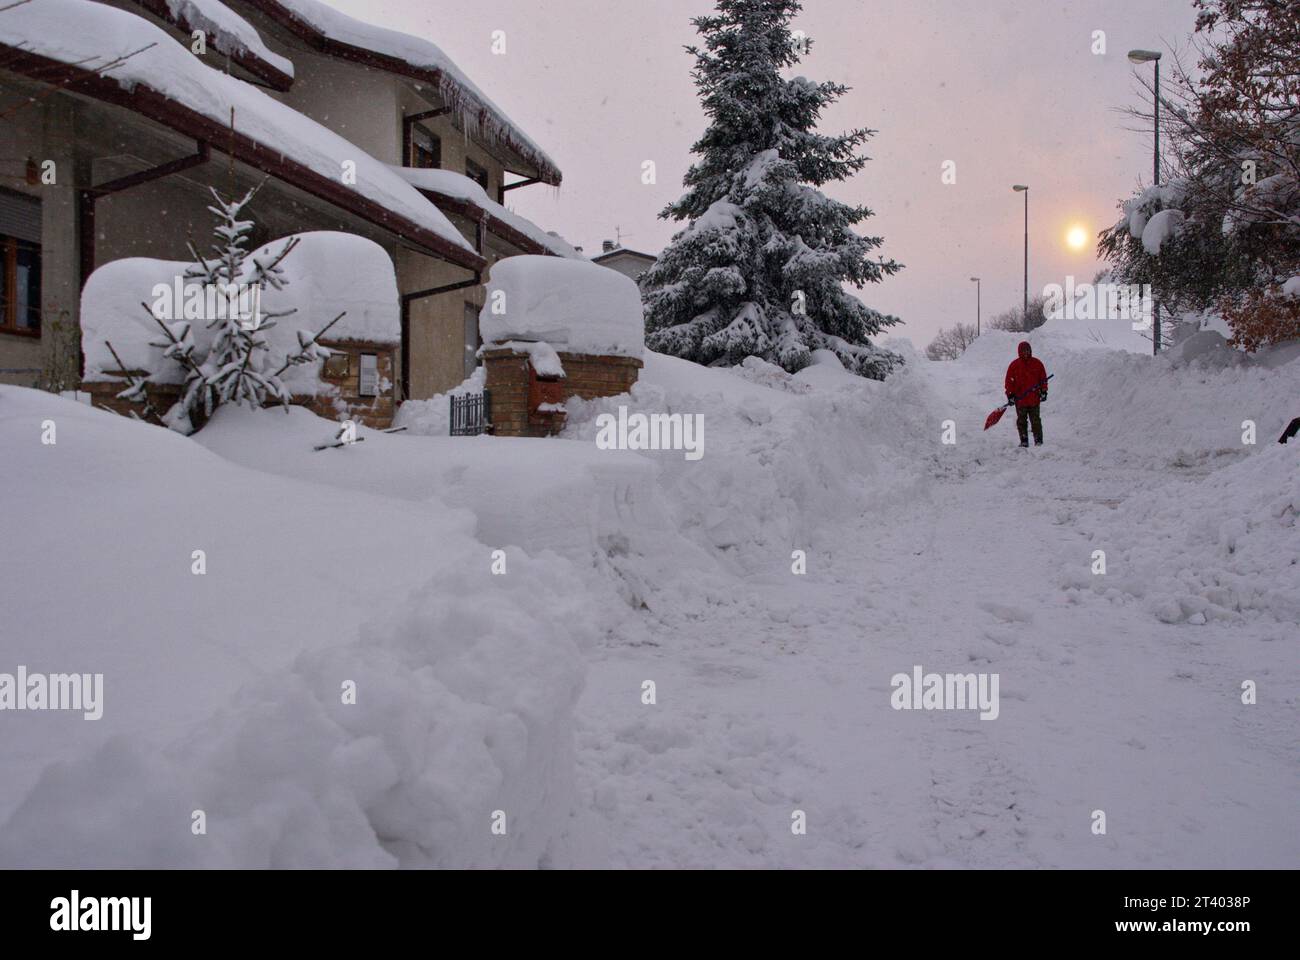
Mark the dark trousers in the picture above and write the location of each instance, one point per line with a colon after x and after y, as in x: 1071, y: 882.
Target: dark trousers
x: 1027, y: 417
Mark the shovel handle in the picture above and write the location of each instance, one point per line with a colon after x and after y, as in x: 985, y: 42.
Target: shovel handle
x: 1012, y: 403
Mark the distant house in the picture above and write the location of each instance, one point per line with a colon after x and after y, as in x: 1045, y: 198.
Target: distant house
x: 630, y: 263
x: 123, y: 120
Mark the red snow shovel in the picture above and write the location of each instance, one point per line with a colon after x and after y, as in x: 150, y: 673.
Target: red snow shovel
x: 996, y: 415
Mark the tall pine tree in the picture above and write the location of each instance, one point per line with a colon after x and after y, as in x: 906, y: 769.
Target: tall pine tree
x: 759, y: 270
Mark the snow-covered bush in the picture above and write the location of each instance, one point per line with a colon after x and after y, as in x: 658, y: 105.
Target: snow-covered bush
x: 212, y: 326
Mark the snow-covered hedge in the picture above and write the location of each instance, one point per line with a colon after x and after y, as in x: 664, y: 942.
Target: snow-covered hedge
x: 327, y: 273
x: 575, y: 306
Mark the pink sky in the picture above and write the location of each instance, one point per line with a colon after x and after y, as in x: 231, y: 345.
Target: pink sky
x: 1009, y: 90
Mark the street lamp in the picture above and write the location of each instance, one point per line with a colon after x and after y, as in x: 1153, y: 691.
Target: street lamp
x: 1021, y: 188
x: 1153, y: 56
x: 976, y: 281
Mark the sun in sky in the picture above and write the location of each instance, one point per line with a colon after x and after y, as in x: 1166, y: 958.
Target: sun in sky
x: 1076, y: 238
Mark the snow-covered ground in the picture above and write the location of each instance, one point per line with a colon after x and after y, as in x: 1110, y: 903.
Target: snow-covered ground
x: 523, y: 692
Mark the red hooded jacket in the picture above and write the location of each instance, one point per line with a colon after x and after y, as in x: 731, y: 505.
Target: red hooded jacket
x: 1024, y: 375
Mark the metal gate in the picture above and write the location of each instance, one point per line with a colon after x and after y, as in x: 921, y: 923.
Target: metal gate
x: 470, y: 414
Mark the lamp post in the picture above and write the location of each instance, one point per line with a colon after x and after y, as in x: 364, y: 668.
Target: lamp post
x: 1021, y: 188
x: 1153, y: 56
x: 976, y: 281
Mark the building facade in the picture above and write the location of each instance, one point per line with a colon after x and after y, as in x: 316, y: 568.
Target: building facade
x: 114, y: 139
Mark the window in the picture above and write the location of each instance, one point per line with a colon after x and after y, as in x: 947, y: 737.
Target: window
x: 476, y: 173
x: 472, y: 341
x: 426, y: 149
x: 20, y: 287
x: 368, y: 376
x: 20, y: 264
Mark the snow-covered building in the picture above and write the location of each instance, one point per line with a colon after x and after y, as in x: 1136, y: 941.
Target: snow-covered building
x: 125, y: 113
x: 631, y: 263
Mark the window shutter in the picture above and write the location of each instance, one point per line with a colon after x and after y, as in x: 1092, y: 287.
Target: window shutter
x: 20, y: 216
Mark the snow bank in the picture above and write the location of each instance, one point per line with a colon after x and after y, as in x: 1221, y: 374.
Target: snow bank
x: 327, y: 273
x: 432, y: 417
x: 575, y: 306
x: 452, y: 184
x: 1206, y: 526
x: 224, y: 692
x: 1183, y: 409
x: 143, y: 54
x: 785, y: 459
x: 1224, y: 548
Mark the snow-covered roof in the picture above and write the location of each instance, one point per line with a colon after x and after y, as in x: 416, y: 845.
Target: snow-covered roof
x: 623, y: 252
x: 114, y: 52
x: 227, y: 32
x: 337, y: 33
x: 454, y: 186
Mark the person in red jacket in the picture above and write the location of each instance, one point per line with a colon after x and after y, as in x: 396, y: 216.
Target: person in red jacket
x: 1026, y: 387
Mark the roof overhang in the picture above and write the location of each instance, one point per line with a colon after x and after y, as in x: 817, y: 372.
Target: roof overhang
x: 148, y: 102
x: 263, y: 70
x: 624, y: 252
x: 464, y: 101
x: 459, y: 206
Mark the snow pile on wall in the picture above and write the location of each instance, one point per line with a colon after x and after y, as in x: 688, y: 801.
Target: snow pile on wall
x: 1219, y: 549
x: 326, y: 273
x: 575, y: 306
x: 224, y: 692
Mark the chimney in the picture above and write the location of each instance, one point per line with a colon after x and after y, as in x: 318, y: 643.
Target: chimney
x: 606, y: 246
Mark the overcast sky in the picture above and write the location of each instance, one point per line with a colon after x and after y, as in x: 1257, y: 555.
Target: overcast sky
x: 1009, y: 90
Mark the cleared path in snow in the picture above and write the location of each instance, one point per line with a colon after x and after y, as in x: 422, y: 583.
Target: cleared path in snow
x: 770, y: 706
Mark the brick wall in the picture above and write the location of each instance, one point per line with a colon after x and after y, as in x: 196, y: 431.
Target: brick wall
x: 342, y: 370
x: 515, y: 390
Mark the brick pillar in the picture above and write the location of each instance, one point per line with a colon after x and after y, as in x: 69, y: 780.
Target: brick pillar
x: 514, y: 395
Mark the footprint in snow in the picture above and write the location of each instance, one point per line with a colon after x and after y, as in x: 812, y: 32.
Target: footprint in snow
x: 1007, y: 613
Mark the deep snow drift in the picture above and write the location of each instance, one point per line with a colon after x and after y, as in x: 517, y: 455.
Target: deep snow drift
x: 374, y: 564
